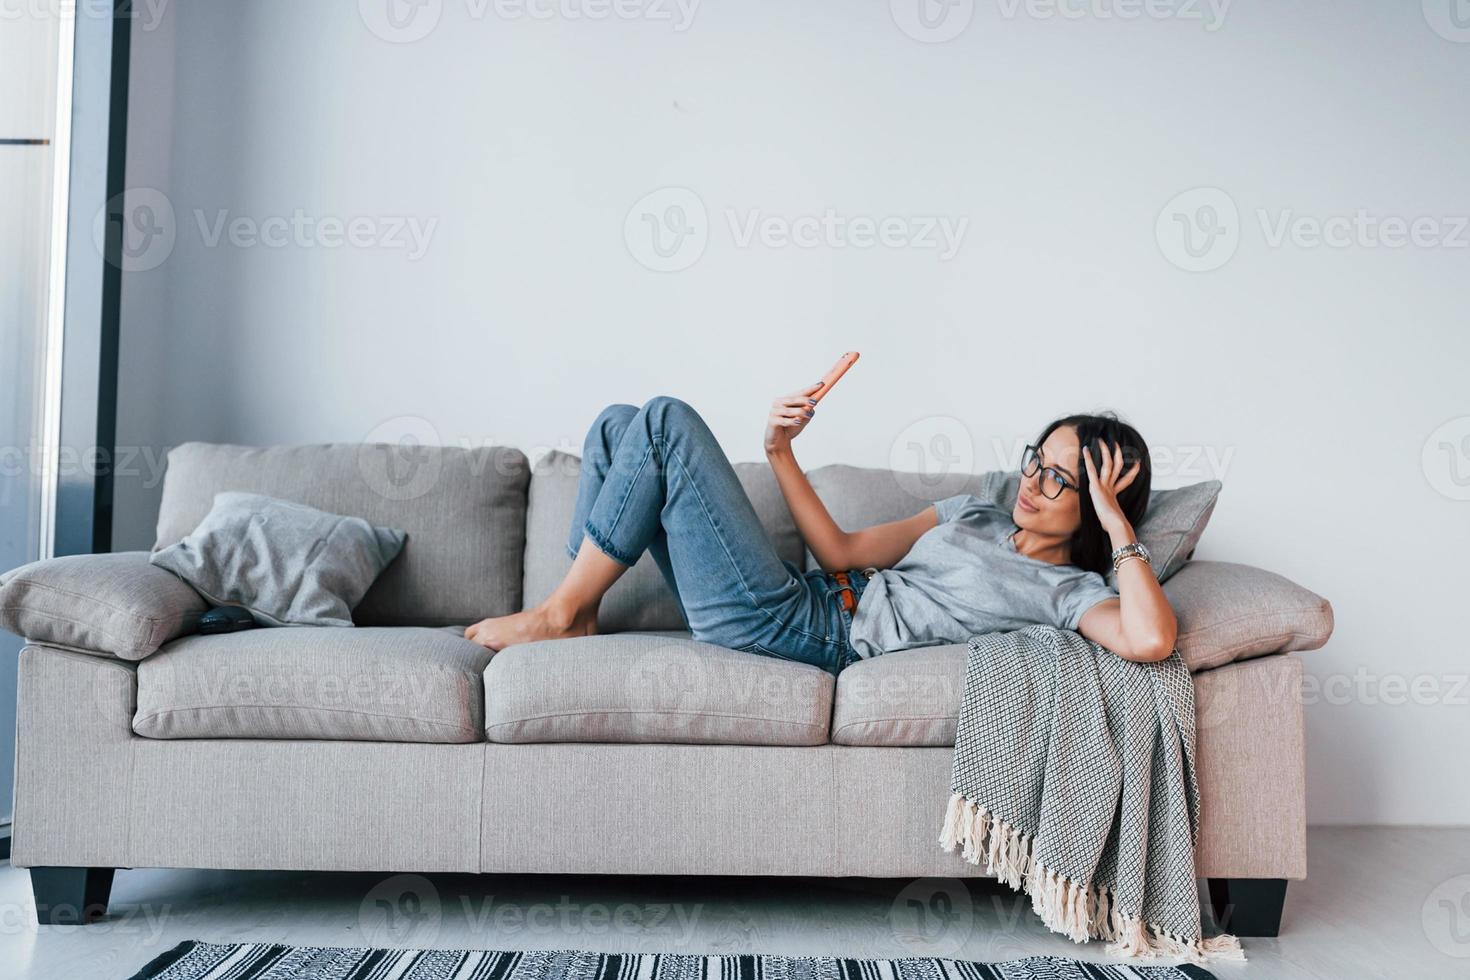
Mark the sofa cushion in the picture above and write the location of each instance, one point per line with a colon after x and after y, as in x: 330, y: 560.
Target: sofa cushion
x: 116, y: 604
x: 640, y: 600
x: 464, y: 512
x: 1230, y: 612
x: 858, y: 497
x: 644, y: 687
x: 381, y: 684
x: 908, y: 697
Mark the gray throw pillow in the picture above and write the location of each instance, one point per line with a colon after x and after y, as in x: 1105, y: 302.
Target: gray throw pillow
x: 289, y: 564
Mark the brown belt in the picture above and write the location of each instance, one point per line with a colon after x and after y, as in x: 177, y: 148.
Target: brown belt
x: 849, y: 598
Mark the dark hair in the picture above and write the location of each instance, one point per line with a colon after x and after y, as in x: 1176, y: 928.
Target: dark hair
x: 1091, y: 548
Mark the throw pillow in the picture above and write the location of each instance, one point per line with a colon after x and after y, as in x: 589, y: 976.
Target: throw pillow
x: 287, y: 563
x: 115, y: 604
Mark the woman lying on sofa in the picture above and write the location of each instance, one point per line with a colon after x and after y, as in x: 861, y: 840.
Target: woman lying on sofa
x: 655, y: 479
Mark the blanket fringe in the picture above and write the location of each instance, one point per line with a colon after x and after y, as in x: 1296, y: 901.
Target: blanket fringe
x: 1078, y: 910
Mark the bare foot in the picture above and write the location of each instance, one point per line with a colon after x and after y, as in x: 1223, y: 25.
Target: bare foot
x: 538, y: 623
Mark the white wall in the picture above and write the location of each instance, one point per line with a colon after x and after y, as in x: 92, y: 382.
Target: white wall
x: 1314, y: 375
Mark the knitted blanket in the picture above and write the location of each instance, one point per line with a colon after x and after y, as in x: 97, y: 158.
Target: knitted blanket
x: 1074, y: 780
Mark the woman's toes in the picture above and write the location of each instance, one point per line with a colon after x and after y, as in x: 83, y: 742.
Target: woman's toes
x: 528, y: 626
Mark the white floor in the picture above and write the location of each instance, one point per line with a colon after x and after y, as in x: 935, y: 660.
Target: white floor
x: 1379, y: 903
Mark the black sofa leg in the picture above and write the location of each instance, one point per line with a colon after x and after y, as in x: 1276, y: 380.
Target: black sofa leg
x: 70, y: 896
x: 1248, y: 906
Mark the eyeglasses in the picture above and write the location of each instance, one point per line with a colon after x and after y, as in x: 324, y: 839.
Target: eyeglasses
x: 1052, y: 481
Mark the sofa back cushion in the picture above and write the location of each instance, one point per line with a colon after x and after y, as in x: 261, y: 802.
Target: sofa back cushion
x: 464, y: 512
x: 858, y: 497
x: 640, y: 600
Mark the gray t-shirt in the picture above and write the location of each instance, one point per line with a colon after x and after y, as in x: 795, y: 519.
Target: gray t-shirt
x: 964, y: 576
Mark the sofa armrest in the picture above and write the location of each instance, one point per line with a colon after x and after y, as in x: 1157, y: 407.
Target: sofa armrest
x: 1230, y: 612
x: 116, y: 605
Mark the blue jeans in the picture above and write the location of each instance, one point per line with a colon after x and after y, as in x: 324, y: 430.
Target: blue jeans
x: 654, y: 479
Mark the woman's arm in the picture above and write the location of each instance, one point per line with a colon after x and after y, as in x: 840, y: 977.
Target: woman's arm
x: 1139, y: 624
x: 879, y: 546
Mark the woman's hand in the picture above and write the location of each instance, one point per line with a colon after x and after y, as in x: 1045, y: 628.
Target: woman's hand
x: 1105, y: 483
x: 1139, y: 624
x: 789, y: 415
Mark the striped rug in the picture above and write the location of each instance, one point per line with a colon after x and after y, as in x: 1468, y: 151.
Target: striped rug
x: 264, y: 961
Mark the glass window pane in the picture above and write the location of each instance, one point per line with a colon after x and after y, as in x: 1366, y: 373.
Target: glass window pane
x: 28, y: 67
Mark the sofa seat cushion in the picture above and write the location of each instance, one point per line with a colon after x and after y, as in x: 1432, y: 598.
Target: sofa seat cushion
x: 904, y: 698
x: 647, y: 687
x: 378, y: 684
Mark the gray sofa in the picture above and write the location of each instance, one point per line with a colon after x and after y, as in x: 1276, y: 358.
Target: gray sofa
x: 397, y: 745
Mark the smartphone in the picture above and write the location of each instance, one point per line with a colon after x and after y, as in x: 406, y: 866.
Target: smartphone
x: 831, y: 377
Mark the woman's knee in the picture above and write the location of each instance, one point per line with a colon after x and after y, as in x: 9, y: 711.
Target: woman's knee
x: 666, y: 409
x: 607, y: 429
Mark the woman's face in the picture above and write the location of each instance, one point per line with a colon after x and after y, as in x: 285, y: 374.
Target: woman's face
x: 1059, y: 517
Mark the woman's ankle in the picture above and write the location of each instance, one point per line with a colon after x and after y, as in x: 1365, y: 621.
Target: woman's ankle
x: 566, y: 617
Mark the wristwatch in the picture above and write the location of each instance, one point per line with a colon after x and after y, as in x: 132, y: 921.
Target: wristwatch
x: 1132, y: 550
